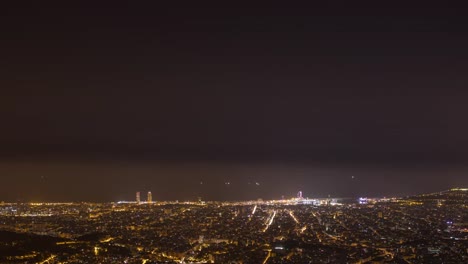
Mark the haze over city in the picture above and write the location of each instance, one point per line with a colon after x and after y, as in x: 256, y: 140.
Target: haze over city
x: 100, y: 102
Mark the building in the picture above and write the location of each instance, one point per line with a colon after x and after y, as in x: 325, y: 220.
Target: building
x: 138, y: 200
x: 150, y: 197
x: 299, y: 195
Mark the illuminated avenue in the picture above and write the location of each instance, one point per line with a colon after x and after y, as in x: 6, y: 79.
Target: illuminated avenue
x: 419, y: 229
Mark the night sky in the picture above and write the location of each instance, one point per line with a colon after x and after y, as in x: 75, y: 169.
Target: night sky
x: 99, y: 102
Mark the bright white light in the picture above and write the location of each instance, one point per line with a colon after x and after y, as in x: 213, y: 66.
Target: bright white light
x: 255, y: 209
x: 271, y: 221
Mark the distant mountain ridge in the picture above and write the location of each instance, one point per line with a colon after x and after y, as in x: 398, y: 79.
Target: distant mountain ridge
x: 454, y: 195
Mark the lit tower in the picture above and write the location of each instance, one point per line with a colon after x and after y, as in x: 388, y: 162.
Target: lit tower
x: 138, y: 197
x: 299, y: 195
x: 150, y: 197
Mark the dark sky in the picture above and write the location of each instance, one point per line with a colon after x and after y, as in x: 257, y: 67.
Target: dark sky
x: 98, y: 102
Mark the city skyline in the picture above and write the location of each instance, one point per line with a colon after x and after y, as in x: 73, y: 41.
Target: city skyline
x: 246, y: 181
x: 299, y: 196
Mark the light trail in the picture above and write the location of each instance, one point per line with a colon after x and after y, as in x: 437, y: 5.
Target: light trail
x: 47, y: 260
x: 267, y: 257
x: 107, y: 240
x: 69, y: 242
x: 255, y: 209
x: 293, y: 217
x: 268, y: 218
x: 271, y: 221
x: 303, y: 229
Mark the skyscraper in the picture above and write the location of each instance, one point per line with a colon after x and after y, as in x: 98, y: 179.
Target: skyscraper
x: 138, y: 197
x: 150, y: 197
x: 299, y: 195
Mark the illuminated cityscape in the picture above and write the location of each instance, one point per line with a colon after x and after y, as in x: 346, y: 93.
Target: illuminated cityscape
x: 144, y: 132
x: 429, y: 228
x: 150, y: 197
x: 137, y: 198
